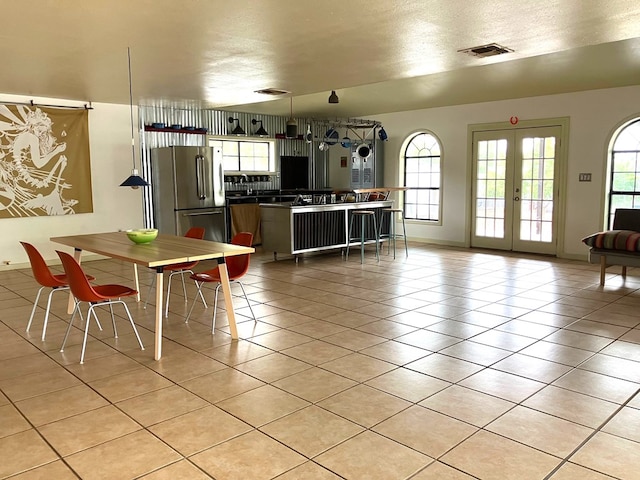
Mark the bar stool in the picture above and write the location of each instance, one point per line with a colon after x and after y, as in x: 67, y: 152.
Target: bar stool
x: 392, y: 235
x: 363, y: 214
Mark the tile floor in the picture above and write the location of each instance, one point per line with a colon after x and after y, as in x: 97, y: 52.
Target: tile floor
x: 451, y: 364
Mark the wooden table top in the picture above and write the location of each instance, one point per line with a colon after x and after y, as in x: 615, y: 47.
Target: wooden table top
x: 164, y: 250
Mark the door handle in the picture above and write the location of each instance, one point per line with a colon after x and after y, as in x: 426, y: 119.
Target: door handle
x: 221, y: 179
x: 516, y: 199
x: 202, y: 213
x: 200, y: 177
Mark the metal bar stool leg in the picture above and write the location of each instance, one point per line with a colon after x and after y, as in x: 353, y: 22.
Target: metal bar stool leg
x: 404, y: 234
x: 362, y: 214
x: 392, y: 232
x: 380, y: 234
x: 349, y: 237
x: 375, y: 233
x: 361, y: 238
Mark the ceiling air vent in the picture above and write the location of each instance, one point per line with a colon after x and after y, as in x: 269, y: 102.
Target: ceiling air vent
x: 272, y: 91
x: 489, y: 50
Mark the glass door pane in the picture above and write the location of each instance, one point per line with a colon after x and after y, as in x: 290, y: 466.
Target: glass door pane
x: 514, y: 189
x: 535, y: 222
x: 491, y: 224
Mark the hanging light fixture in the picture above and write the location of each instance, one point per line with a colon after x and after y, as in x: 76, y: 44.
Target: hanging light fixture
x: 238, y: 130
x: 261, y: 132
x: 135, y: 180
x: 292, y: 126
x: 333, y: 98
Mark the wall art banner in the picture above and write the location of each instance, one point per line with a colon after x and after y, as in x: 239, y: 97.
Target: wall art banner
x: 45, y: 167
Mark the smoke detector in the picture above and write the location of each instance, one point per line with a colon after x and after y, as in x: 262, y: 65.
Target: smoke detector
x: 483, y: 51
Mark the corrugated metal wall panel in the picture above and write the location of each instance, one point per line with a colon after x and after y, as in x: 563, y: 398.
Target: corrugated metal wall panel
x: 217, y: 124
x: 171, y: 116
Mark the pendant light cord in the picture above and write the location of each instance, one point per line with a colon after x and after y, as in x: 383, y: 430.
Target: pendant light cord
x: 133, y: 146
x: 134, y: 181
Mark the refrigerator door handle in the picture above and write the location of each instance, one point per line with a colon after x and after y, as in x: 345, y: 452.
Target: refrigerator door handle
x: 221, y: 179
x: 200, y: 177
x: 201, y: 213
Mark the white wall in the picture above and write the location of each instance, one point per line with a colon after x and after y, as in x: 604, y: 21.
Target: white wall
x: 114, y: 207
x: 593, y: 117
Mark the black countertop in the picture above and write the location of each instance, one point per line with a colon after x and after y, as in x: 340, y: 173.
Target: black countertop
x: 258, y: 196
x: 266, y: 196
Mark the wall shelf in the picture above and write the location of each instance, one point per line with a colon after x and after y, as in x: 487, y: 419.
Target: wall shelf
x: 175, y: 130
x: 282, y: 136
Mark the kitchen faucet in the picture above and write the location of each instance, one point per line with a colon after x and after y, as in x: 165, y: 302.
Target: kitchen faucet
x: 244, y: 180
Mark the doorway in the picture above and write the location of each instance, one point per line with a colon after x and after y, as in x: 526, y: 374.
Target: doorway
x: 515, y: 192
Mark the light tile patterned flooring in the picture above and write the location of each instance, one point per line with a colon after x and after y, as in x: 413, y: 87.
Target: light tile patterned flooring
x: 451, y: 364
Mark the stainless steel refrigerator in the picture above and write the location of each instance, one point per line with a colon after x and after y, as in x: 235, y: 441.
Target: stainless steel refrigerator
x: 188, y: 190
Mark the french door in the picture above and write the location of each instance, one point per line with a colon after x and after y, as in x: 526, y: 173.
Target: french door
x: 514, y: 190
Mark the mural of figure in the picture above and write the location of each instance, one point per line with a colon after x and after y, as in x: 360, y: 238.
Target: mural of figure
x: 31, y: 164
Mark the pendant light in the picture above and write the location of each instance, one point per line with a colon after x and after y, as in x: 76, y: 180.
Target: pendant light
x: 135, y: 180
x: 238, y: 130
x: 292, y: 126
x: 261, y: 132
x: 333, y: 98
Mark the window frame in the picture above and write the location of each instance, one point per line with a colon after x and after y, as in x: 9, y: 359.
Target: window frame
x: 271, y: 143
x: 611, y: 172
x: 403, y: 176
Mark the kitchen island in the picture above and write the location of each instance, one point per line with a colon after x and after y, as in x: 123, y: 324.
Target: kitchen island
x: 243, y: 211
x: 295, y: 229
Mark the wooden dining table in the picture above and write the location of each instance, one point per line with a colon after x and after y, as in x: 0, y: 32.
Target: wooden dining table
x: 165, y: 250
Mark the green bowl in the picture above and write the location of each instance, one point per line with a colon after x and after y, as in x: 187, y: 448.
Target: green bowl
x: 144, y: 235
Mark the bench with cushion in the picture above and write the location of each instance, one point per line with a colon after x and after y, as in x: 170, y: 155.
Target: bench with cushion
x: 619, y: 246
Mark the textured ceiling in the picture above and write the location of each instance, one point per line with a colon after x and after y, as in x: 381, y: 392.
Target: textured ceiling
x: 380, y: 56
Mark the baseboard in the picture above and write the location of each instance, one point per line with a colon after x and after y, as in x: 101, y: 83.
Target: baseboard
x: 86, y: 257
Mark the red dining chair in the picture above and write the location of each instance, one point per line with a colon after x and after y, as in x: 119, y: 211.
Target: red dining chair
x: 180, y: 269
x: 237, y: 267
x: 46, y: 279
x: 95, y: 295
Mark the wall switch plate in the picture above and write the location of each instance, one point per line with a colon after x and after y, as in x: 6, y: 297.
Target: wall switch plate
x: 584, y: 177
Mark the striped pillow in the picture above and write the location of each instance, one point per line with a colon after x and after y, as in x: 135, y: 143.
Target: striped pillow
x: 626, y: 240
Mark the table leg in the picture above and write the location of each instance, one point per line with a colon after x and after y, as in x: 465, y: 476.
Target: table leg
x: 77, y: 253
x: 159, y: 288
x: 226, y: 291
x: 136, y: 280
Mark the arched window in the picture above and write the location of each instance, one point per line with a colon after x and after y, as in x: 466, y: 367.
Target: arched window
x: 624, y: 169
x: 422, y: 177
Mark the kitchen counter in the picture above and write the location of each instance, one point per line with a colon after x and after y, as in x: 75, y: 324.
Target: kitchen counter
x: 258, y: 197
x: 325, y: 207
x: 243, y: 211
x: 296, y: 229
